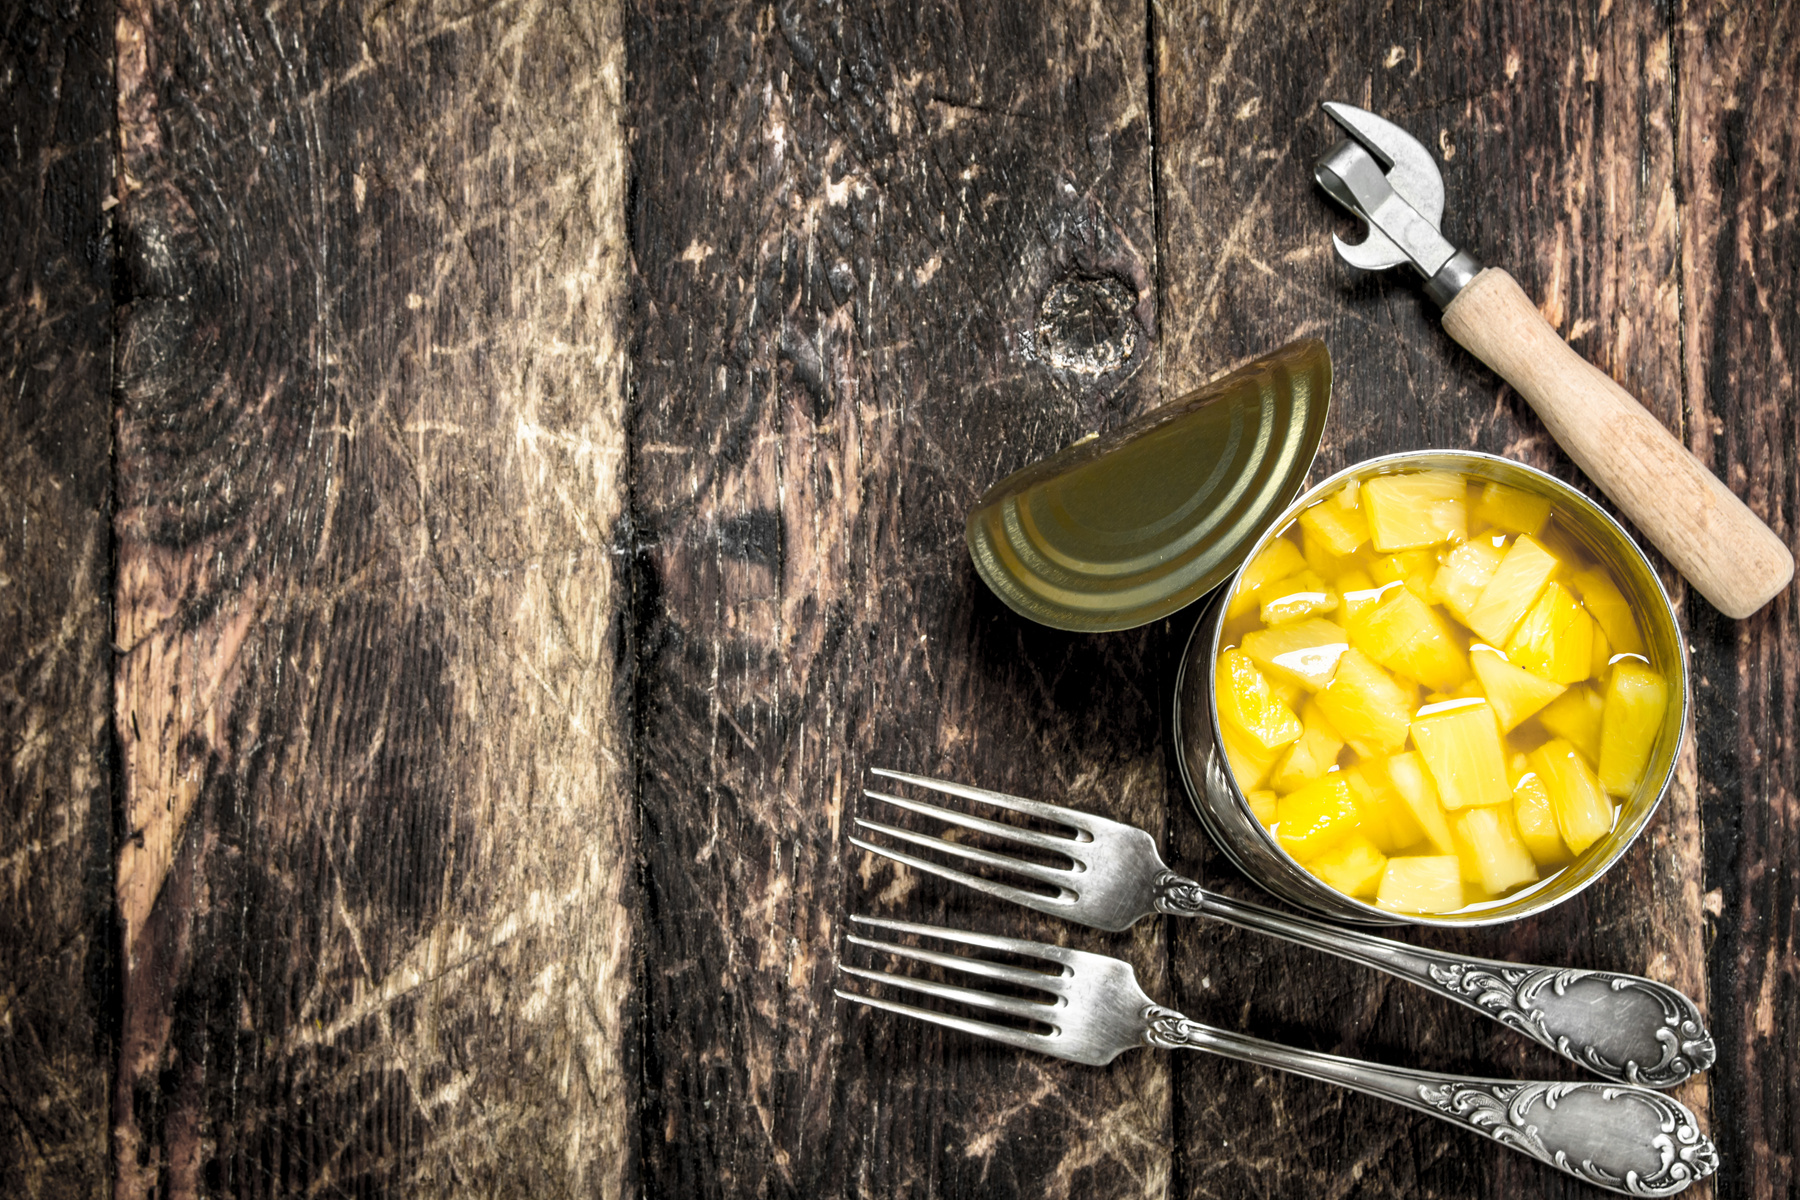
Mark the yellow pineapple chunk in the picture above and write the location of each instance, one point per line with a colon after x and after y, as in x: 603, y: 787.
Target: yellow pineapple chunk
x: 1387, y: 820
x: 1466, y: 570
x: 1575, y: 716
x: 1423, y: 508
x: 1360, y: 593
x: 1600, y: 664
x: 1404, y: 635
x: 1247, y: 703
x: 1421, y: 884
x: 1610, y: 610
x: 1514, y: 692
x: 1636, y: 700
x: 1303, y: 594
x: 1303, y: 652
x: 1279, y: 559
x: 1512, y: 510
x: 1320, y: 559
x: 1489, y: 846
x: 1366, y: 706
x: 1460, y: 742
x: 1509, y: 594
x: 1413, y: 783
x: 1354, y: 866
x: 1316, y: 818
x: 1556, y: 638
x: 1311, y: 756
x: 1262, y: 805
x: 1338, y: 528
x: 1537, y: 822
x: 1584, y: 814
x: 1250, y: 763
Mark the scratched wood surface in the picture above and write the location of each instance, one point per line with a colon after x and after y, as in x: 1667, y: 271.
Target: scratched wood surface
x: 484, y: 484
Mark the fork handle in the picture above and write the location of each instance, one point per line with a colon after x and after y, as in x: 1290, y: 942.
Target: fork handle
x: 1626, y: 1139
x: 1623, y: 1027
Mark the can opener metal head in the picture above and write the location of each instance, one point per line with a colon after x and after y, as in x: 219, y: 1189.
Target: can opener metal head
x: 1388, y: 180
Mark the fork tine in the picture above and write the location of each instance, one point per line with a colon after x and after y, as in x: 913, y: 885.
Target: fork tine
x: 987, y: 941
x: 1024, y: 1039
x: 971, y: 966
x: 1031, y: 837
x: 1043, y: 903
x: 1074, y: 818
x: 1038, y: 871
x: 1031, y: 1010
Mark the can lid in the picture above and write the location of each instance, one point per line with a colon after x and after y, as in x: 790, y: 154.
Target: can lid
x: 1121, y: 530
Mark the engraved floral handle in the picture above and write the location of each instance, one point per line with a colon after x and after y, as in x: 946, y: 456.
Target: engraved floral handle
x: 1622, y: 1027
x: 1628, y: 1139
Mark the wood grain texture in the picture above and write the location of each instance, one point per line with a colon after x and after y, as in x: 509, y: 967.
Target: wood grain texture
x: 369, y: 447
x: 1740, y: 96
x: 56, y: 766
x: 848, y: 222
x: 1552, y: 129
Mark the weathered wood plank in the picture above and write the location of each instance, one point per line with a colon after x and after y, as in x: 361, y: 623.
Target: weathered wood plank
x: 847, y: 219
x: 1739, y: 68
x: 56, y: 825
x: 1552, y: 129
x: 369, y: 458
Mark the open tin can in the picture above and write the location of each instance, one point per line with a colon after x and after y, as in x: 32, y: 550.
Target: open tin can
x: 1225, y: 810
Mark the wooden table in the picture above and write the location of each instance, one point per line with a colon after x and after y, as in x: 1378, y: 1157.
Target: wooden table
x: 482, y: 483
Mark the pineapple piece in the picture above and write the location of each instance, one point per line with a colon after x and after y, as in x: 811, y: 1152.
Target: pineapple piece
x: 1340, y: 528
x: 1404, y: 635
x: 1311, y: 756
x: 1601, y: 663
x: 1576, y: 717
x: 1302, y: 594
x: 1303, y: 652
x: 1423, y: 508
x: 1413, y: 783
x: 1460, y: 742
x: 1584, y: 814
x: 1489, y: 846
x: 1556, y: 638
x: 1319, y: 557
x: 1414, y: 568
x: 1421, y: 884
x: 1262, y: 805
x: 1467, y: 569
x: 1514, y: 692
x: 1354, y: 866
x: 1610, y: 610
x: 1512, y: 510
x: 1316, y: 818
x: 1366, y: 706
x: 1509, y: 594
x: 1636, y: 700
x: 1246, y: 702
x: 1360, y: 593
x: 1250, y: 763
x: 1387, y: 820
x: 1536, y: 820
x: 1279, y: 559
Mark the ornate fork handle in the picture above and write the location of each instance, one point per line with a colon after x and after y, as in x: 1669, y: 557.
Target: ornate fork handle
x: 1623, y: 1027
x: 1627, y: 1139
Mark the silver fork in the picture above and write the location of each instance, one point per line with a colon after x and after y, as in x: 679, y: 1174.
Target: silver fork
x: 1621, y: 1027
x: 1624, y: 1138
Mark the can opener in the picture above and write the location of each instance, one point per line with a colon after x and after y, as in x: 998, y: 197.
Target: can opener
x: 1385, y: 177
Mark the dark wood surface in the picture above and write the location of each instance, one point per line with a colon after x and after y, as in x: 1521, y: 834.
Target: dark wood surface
x: 483, y: 483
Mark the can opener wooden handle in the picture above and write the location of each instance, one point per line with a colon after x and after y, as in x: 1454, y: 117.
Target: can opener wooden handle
x: 1384, y: 176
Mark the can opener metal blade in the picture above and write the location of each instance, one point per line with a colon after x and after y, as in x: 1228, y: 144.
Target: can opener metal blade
x: 1389, y: 181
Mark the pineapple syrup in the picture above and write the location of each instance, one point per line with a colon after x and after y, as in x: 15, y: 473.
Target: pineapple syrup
x: 1432, y: 694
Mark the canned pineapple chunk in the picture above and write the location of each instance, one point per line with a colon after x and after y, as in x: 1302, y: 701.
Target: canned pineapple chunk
x: 1433, y: 693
